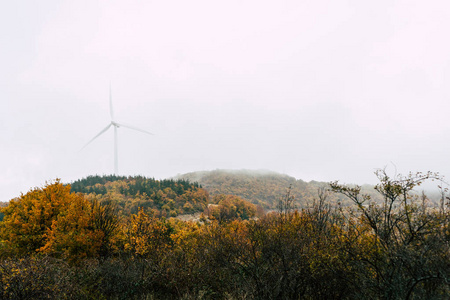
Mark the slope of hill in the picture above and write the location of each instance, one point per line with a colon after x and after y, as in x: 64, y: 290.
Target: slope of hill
x: 265, y: 188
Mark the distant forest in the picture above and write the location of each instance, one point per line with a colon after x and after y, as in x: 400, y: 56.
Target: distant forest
x: 168, y: 197
x: 136, y: 185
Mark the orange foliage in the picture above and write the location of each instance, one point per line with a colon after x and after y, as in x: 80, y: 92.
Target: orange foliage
x: 49, y: 220
x: 231, y: 207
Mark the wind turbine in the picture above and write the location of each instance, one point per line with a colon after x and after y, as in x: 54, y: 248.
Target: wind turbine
x: 116, y: 126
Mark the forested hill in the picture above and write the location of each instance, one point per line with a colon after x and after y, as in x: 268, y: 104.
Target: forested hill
x: 260, y: 187
x: 136, y: 184
x: 190, y: 193
x: 170, y: 197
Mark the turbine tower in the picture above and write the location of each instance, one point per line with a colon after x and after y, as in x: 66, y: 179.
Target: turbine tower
x: 116, y: 126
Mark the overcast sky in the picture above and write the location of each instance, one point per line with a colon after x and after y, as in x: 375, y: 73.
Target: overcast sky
x: 319, y: 90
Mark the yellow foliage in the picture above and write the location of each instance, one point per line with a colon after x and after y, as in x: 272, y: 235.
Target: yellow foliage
x: 50, y: 220
x: 72, y: 233
x: 148, y: 236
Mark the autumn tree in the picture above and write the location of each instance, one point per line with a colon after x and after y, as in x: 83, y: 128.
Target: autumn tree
x: 72, y: 234
x: 52, y: 220
x: 28, y: 217
x: 231, y: 207
x: 148, y: 236
x: 105, y: 220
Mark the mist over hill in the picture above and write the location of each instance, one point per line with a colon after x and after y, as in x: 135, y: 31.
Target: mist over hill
x: 261, y: 187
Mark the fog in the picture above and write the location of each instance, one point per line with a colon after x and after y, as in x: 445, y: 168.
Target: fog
x: 319, y: 90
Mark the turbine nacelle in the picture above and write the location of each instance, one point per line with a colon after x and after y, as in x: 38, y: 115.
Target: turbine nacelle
x: 116, y: 125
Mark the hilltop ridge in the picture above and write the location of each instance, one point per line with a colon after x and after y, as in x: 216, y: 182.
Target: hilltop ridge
x: 263, y: 187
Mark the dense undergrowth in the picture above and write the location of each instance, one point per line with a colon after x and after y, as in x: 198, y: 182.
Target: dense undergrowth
x: 60, y: 245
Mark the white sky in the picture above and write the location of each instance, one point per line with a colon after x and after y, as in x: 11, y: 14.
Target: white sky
x: 319, y: 90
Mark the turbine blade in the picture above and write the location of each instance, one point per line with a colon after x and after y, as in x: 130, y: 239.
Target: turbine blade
x: 134, y: 128
x: 100, y: 133
x: 111, y: 111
